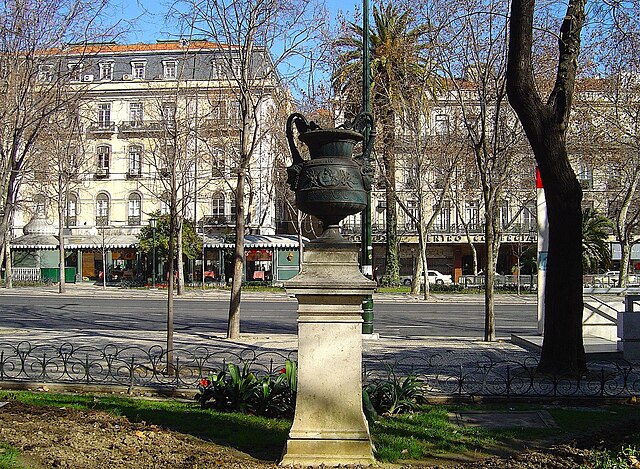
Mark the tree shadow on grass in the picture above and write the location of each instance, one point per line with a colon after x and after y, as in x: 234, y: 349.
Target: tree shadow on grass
x: 258, y: 437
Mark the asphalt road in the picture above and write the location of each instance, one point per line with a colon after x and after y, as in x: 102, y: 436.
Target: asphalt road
x: 199, y: 316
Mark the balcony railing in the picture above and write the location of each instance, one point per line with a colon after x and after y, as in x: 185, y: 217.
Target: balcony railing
x: 102, y: 173
x: 134, y: 220
x: 102, y: 127
x: 219, y: 220
x: 141, y: 126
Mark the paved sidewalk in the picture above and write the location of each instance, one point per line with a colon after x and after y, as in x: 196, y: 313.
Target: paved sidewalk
x: 91, y: 289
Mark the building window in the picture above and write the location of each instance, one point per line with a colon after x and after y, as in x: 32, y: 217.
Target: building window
x: 443, y: 219
x: 45, y: 73
x: 135, y: 203
x: 138, y: 70
x: 104, y: 152
x: 472, y: 214
x: 106, y: 71
x: 233, y: 207
x: 168, y: 113
x: 235, y: 112
x: 135, y: 160
x: 102, y: 209
x: 505, y: 215
x: 170, y: 69
x: 217, y: 205
x: 586, y: 175
x: 442, y: 124
x: 529, y: 217
x: 165, y: 202
x: 136, y: 114
x: 75, y: 71
x: 217, y: 162
x: 411, y: 177
x: 104, y: 115
x: 71, y: 210
x: 412, y: 216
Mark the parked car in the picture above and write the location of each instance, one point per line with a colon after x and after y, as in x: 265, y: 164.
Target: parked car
x: 434, y: 277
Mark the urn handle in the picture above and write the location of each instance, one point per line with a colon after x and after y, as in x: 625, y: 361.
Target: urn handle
x: 303, y: 126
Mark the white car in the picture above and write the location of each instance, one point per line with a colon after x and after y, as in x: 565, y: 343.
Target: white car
x: 434, y: 277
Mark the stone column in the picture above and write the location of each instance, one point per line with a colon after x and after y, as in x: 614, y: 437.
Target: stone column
x: 329, y: 426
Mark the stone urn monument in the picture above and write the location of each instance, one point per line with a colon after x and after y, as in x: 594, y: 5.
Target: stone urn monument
x: 329, y: 426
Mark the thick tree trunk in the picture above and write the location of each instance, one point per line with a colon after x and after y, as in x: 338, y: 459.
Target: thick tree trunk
x: 545, y: 126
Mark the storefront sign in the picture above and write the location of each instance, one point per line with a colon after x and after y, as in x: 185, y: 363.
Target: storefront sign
x: 478, y: 238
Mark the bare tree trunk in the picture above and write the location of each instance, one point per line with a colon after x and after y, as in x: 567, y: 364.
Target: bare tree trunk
x: 622, y: 227
x: 8, y: 276
x: 170, y: 287
x: 179, y: 256
x: 61, y: 251
x: 233, y: 326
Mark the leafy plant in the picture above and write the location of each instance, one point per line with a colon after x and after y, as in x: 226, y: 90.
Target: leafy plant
x: 239, y: 390
x: 395, y: 395
x: 628, y: 457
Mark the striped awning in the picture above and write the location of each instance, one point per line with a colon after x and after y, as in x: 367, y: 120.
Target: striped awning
x: 41, y: 241
x: 256, y: 242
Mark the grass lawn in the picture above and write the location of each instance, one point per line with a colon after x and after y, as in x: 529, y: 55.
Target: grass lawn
x: 418, y: 436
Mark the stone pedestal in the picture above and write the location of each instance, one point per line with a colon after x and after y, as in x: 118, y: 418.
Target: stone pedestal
x: 629, y: 329
x: 329, y: 426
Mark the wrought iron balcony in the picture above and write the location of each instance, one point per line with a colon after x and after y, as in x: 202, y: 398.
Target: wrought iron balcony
x: 102, y: 173
x: 106, y: 127
x: 218, y: 220
x: 142, y: 126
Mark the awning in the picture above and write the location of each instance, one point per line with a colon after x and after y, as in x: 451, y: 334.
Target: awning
x: 98, y: 242
x: 40, y: 241
x: 35, y: 241
x: 256, y: 241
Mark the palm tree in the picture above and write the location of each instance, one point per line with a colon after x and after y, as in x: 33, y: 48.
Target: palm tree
x: 398, y: 65
x: 595, y: 248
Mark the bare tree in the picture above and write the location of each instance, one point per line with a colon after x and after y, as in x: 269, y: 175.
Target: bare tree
x: 545, y: 124
x: 610, y: 119
x: 473, y: 52
x: 257, y: 41
x: 61, y: 154
x: 34, y: 38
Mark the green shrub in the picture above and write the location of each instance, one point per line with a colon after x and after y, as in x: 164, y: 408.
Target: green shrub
x: 239, y: 390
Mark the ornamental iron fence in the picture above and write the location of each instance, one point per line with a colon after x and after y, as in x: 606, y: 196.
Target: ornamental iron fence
x: 448, y: 374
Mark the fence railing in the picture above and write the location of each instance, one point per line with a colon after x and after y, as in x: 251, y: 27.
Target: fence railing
x: 442, y: 374
x: 25, y: 274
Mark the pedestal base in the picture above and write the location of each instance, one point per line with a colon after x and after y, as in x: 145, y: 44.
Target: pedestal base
x: 315, y: 452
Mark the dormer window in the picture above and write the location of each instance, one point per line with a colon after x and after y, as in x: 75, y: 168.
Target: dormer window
x: 170, y: 69
x: 45, y: 73
x: 106, y: 71
x: 138, y: 70
x: 75, y: 71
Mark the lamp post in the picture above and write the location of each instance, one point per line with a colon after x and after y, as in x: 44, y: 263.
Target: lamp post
x: 366, y: 254
x: 153, y: 223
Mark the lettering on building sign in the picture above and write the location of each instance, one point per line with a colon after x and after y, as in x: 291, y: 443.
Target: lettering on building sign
x: 456, y: 238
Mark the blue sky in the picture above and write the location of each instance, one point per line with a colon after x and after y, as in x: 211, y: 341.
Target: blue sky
x: 150, y: 24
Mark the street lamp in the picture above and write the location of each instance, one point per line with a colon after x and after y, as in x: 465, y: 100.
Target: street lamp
x: 366, y: 241
x: 153, y: 223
